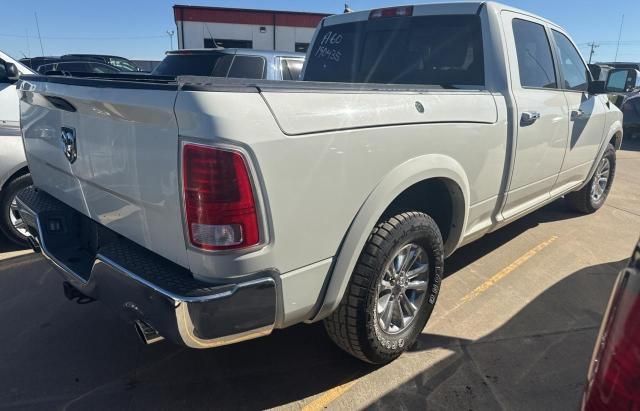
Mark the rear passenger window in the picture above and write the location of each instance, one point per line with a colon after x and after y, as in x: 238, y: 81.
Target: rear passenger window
x: 247, y: 67
x: 572, y: 67
x: 222, y: 65
x: 79, y: 67
x: 291, y: 69
x: 535, y: 62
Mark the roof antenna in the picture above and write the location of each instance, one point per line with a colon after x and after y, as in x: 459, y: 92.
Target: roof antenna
x: 39, y: 36
x: 215, y: 43
x: 347, y: 9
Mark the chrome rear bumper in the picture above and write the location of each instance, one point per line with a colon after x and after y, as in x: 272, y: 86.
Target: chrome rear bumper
x: 144, y: 286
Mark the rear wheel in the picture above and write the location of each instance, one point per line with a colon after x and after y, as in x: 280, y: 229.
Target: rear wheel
x: 392, y: 290
x: 593, y: 195
x: 11, y: 223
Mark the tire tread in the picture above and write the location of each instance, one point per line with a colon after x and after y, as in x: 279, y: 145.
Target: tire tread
x: 581, y: 200
x: 356, y: 295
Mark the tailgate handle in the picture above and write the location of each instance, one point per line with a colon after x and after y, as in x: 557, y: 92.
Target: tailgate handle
x: 62, y: 104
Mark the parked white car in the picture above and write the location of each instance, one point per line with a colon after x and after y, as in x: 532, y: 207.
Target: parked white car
x: 14, y: 174
x: 211, y: 211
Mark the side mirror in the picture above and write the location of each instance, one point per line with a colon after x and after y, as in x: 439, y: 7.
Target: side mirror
x: 12, y: 73
x: 597, y: 87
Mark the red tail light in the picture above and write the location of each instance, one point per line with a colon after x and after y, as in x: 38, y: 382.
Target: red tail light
x: 404, y: 11
x: 219, y: 203
x: 614, y: 378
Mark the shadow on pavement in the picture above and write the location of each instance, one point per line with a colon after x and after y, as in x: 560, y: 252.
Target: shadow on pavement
x: 7, y: 246
x: 631, y: 144
x: 536, y: 360
x: 59, y: 354
x: 556, y: 211
x: 56, y: 354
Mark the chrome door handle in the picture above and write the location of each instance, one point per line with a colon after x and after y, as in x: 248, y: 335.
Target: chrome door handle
x: 529, y: 117
x: 576, y: 114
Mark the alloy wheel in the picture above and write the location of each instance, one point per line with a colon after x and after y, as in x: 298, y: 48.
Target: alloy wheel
x: 600, y: 180
x: 402, y: 288
x: 16, y: 221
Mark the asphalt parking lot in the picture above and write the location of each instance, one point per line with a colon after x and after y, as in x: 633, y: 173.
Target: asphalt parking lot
x: 514, y: 328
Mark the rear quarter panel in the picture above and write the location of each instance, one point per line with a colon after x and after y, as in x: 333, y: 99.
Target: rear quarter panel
x: 316, y: 182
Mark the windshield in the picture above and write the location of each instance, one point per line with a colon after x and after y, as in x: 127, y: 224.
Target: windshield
x: 439, y: 50
x: 617, y: 81
x: 197, y: 64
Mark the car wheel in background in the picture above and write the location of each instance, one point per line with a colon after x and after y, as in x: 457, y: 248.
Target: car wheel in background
x: 392, y: 290
x: 593, y: 195
x: 11, y: 224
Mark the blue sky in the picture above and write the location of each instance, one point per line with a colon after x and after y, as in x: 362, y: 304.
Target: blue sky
x: 137, y: 28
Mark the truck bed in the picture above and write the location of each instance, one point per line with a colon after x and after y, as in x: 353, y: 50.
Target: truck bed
x: 129, y: 133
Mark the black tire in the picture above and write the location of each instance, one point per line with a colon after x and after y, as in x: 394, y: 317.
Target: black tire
x: 7, y: 195
x: 354, y: 325
x: 582, y: 200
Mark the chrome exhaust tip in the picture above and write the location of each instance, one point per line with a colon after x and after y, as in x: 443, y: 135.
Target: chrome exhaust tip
x: 147, y: 333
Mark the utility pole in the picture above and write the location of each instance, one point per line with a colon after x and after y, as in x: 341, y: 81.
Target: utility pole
x: 594, y: 46
x: 171, y: 33
x: 619, y: 37
x: 39, y: 36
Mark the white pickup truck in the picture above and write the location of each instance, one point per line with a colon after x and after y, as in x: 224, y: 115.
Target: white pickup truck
x: 213, y: 211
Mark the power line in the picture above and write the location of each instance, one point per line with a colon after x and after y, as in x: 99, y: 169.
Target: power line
x: 83, y: 38
x: 612, y: 43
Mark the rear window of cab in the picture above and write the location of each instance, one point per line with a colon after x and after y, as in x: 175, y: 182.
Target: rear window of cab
x: 443, y: 50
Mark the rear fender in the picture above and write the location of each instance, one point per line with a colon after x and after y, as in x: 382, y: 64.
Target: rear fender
x: 616, y: 127
x: 391, y: 186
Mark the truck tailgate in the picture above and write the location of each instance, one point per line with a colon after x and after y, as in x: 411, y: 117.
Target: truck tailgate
x: 125, y: 173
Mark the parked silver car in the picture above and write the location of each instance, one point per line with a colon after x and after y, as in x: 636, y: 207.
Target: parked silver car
x: 232, y: 63
x: 14, y: 174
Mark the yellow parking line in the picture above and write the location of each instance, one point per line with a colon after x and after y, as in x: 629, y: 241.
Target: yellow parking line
x: 13, y: 254
x: 328, y: 397
x: 332, y: 394
x: 503, y: 273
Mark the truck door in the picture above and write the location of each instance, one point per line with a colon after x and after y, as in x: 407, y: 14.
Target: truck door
x: 587, y: 115
x: 541, y: 110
